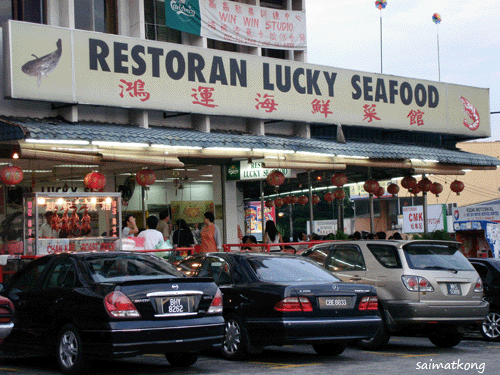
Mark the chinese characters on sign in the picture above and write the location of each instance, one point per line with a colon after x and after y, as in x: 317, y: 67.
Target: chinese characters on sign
x: 321, y: 106
x: 135, y: 89
x: 205, y: 94
x: 267, y: 103
x: 416, y: 117
x: 370, y: 112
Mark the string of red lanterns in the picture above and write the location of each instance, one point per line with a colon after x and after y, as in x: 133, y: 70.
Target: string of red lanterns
x: 11, y: 175
x: 145, y: 177
x: 94, y: 180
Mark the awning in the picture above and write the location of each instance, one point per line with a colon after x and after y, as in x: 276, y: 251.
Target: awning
x: 419, y: 159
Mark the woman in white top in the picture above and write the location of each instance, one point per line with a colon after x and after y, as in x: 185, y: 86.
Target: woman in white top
x: 129, y: 226
x: 272, y: 236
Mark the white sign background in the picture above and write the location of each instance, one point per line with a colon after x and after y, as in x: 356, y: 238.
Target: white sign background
x: 413, y: 218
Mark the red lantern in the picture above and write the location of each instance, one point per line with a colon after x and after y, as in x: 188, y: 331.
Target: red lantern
x: 380, y: 192
x: 11, y: 175
x: 415, y: 190
x: 315, y: 199
x: 329, y: 197
x: 409, y: 182
x: 269, y: 203
x: 339, y: 179
x: 94, y: 181
x: 278, y: 202
x: 287, y: 200
x: 371, y: 186
x: 393, y: 189
x: 303, y: 199
x: 339, y: 194
x: 294, y: 199
x: 275, y: 178
x: 145, y: 177
x: 457, y: 186
x: 424, y: 184
x: 436, y: 188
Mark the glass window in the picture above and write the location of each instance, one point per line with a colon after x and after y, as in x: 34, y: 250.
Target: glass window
x: 30, y: 278
x: 318, y: 255
x: 386, y: 255
x: 62, y: 275
x: 190, y: 266
x: 96, y: 15
x: 346, y: 258
x: 434, y: 256
x: 5, y: 11
x: 289, y: 269
x: 25, y: 10
x: 216, y: 268
x: 154, y: 15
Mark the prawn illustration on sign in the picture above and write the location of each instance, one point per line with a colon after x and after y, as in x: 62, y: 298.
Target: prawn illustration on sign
x: 472, y: 112
x: 41, y: 66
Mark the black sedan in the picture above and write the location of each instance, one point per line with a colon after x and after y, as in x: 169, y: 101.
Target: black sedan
x: 489, y: 270
x: 279, y: 298
x: 111, y: 304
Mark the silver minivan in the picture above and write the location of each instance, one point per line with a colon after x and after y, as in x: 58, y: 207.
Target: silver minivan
x: 425, y: 288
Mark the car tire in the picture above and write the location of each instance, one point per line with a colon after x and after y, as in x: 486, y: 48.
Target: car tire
x: 490, y: 328
x: 378, y: 341
x: 182, y: 359
x: 236, y: 339
x: 446, y: 337
x: 330, y: 349
x: 69, y: 353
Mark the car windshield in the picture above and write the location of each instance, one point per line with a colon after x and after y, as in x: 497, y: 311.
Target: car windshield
x: 285, y: 270
x: 119, y: 267
x: 428, y: 256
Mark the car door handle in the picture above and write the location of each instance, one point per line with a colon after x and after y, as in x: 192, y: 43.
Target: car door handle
x: 355, y: 278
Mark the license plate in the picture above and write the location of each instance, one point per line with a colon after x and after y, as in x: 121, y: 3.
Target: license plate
x: 454, y: 289
x: 177, y: 305
x: 336, y: 303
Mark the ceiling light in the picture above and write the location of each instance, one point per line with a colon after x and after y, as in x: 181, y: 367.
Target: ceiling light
x: 75, y: 166
x: 57, y: 141
x: 119, y: 144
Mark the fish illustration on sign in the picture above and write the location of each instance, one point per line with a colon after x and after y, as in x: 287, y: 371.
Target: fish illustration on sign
x: 42, y: 66
x: 473, y: 114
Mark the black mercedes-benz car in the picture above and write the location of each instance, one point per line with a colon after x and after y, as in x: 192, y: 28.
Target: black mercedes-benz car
x: 489, y: 270
x: 111, y: 304
x: 279, y: 298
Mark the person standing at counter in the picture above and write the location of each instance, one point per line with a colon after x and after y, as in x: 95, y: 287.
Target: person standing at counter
x: 210, y: 235
x: 46, y: 230
x: 152, y: 237
x: 129, y: 226
x: 182, y: 236
x: 164, y: 224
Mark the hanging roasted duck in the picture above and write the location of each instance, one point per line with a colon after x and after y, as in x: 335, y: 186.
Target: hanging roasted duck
x: 85, y: 221
x: 65, y: 221
x: 74, y: 221
x: 55, y: 222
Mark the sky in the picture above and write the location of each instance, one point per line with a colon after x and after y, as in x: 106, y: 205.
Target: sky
x: 346, y: 34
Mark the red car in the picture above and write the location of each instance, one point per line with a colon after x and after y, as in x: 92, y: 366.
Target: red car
x: 6, y: 317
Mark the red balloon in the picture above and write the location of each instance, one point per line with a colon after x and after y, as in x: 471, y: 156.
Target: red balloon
x: 11, y: 175
x: 145, y: 177
x: 408, y: 182
x: 275, y: 178
x: 303, y: 199
x: 339, y: 179
x: 269, y: 203
x: 329, y: 197
x: 278, y: 202
x: 315, y: 199
x: 393, y: 189
x: 457, y: 187
x: 339, y: 194
x: 424, y: 184
x: 436, y: 188
x: 94, y: 180
x: 371, y: 186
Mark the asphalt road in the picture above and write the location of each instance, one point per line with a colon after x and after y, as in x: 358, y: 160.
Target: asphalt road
x: 408, y: 356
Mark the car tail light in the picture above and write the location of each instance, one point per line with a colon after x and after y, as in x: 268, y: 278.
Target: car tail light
x: 118, y: 305
x: 368, y: 303
x: 291, y: 304
x: 216, y: 305
x: 417, y: 284
x: 479, y: 286
x: 6, y: 311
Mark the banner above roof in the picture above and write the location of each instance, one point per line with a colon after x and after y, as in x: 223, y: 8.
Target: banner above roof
x: 72, y: 66
x: 238, y: 23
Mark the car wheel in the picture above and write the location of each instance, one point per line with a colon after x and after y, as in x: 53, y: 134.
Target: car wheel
x: 490, y: 329
x: 182, y: 359
x: 330, y: 349
x: 70, y: 350
x: 446, y: 337
x: 235, y: 342
x: 376, y: 342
